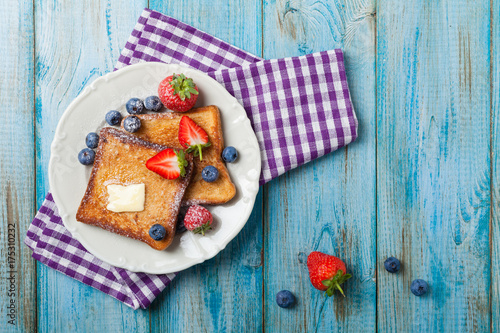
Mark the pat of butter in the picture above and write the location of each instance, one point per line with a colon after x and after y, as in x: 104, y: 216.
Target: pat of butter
x: 129, y: 198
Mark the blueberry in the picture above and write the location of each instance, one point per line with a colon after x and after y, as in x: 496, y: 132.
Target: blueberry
x: 419, y: 287
x: 153, y: 103
x: 285, y: 298
x: 86, y: 156
x: 134, y: 106
x: 392, y: 265
x: 229, y: 154
x: 132, y: 124
x: 113, y: 117
x: 210, y: 174
x: 92, y: 140
x: 157, y: 232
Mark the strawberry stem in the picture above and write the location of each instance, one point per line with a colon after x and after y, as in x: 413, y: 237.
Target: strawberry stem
x: 197, y: 149
x: 339, y: 289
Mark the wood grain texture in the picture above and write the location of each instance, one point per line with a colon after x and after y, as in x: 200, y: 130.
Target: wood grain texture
x: 76, y: 42
x: 17, y: 181
x: 223, y: 294
x: 426, y: 165
x: 495, y: 163
x: 433, y: 164
x: 329, y: 204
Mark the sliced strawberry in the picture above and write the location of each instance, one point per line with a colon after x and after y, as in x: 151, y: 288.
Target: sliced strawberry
x: 192, y: 136
x: 168, y: 163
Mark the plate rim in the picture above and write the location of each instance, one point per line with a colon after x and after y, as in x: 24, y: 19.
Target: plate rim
x: 52, y: 161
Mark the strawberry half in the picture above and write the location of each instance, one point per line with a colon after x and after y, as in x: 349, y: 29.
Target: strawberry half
x: 192, y: 136
x: 168, y: 163
x: 326, y: 272
x: 178, y: 93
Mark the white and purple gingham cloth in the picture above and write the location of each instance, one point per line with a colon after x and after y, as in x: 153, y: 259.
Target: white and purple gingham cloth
x: 53, y: 246
x: 299, y: 107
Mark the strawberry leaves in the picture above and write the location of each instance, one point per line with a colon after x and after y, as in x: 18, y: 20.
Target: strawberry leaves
x: 181, y: 160
x: 202, y: 229
x: 335, y: 282
x: 183, y: 86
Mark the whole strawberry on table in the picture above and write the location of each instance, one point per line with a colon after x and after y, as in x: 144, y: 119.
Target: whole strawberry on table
x: 178, y: 92
x: 326, y: 272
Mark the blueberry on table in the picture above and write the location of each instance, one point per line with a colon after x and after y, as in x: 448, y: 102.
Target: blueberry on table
x: 285, y: 299
x: 92, y: 140
x: 132, y: 124
x: 210, y: 173
x: 153, y: 103
x: 419, y: 287
x: 134, y: 106
x: 86, y: 156
x: 113, y: 117
x: 157, y: 232
x: 392, y: 265
x: 229, y: 154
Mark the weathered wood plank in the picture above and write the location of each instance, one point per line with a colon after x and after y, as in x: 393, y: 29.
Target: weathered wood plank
x: 225, y: 293
x: 329, y: 204
x: 433, y: 164
x: 495, y: 163
x: 76, y: 42
x: 17, y: 181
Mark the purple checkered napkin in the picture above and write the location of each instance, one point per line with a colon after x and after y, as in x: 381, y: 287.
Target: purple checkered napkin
x: 300, y: 107
x: 53, y: 245
x: 294, y: 124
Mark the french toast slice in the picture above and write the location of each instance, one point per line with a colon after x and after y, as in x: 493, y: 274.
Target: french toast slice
x: 121, y: 159
x: 163, y: 128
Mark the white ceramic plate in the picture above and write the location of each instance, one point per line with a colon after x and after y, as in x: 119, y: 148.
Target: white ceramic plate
x: 68, y: 178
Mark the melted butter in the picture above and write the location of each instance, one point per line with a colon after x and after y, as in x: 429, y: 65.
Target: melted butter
x: 128, y: 198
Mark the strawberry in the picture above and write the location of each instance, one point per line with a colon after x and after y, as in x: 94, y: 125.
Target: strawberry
x: 198, y: 219
x: 192, y: 136
x: 178, y: 93
x: 326, y: 272
x: 168, y: 163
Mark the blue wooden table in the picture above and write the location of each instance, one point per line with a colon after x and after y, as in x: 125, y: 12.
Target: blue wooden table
x: 421, y: 183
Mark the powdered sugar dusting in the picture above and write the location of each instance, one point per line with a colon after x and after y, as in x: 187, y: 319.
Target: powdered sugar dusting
x: 121, y: 159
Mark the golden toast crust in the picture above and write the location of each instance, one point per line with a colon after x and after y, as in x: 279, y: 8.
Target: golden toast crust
x: 163, y: 128
x: 121, y: 159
